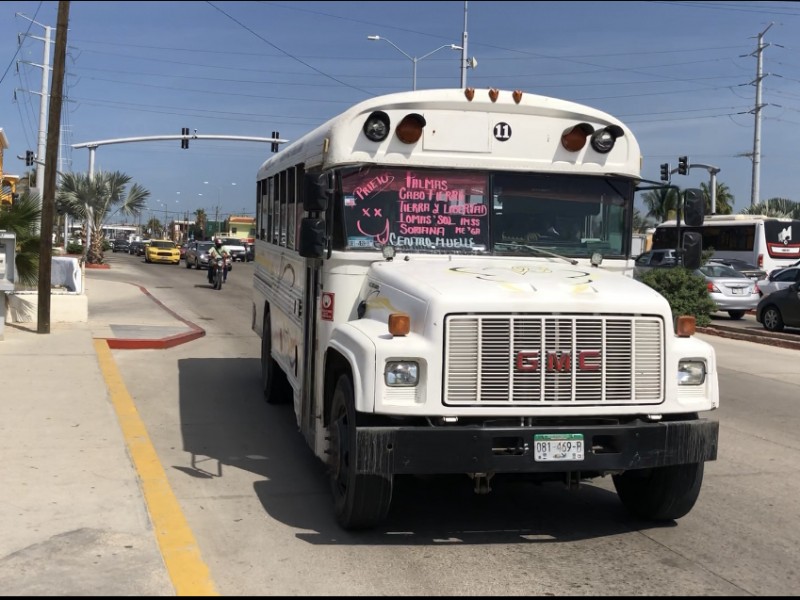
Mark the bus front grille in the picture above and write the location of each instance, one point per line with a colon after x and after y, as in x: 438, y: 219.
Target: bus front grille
x: 567, y: 360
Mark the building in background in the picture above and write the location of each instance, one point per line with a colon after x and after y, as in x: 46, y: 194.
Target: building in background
x: 8, y: 183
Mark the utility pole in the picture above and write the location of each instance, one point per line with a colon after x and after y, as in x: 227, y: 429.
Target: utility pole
x: 755, y: 191
x: 45, y: 66
x: 51, y: 156
x: 464, y: 50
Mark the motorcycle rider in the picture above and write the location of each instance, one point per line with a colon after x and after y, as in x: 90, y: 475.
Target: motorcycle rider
x: 218, y: 249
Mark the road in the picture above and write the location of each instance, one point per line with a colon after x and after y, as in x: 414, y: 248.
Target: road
x: 257, y: 500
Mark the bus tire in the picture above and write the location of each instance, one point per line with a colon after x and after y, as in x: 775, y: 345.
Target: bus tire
x: 273, y: 381
x: 360, y: 501
x: 661, y: 493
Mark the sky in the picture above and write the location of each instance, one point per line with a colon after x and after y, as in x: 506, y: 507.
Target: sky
x: 681, y: 75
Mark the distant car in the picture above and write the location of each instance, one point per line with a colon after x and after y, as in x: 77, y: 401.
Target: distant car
x: 780, y: 309
x: 730, y: 290
x: 235, y: 248
x: 182, y: 248
x: 745, y: 268
x: 162, y: 251
x: 653, y: 259
x: 197, y: 254
x: 121, y: 246
x: 779, y: 280
x: 136, y: 248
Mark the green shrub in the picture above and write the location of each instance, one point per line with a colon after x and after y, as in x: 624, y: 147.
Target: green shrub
x: 73, y: 248
x: 686, y: 292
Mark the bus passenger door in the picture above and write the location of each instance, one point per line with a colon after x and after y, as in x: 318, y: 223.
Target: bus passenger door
x: 309, y: 318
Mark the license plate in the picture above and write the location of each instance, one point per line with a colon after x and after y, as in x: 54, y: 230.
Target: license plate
x: 736, y: 291
x: 555, y: 447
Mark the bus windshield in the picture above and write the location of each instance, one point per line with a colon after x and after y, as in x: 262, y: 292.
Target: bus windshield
x: 501, y: 212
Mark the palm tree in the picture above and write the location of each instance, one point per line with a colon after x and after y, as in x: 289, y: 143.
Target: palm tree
x: 200, y: 220
x: 95, y: 199
x: 660, y: 204
x: 774, y: 207
x: 724, y: 199
x: 640, y: 222
x: 154, y: 227
x: 23, y: 218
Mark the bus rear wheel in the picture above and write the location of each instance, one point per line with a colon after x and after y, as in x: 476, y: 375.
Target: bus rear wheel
x: 360, y: 501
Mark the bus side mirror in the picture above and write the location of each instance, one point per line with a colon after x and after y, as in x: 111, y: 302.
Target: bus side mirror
x: 694, y: 207
x: 692, y: 250
x: 312, y: 238
x: 315, y: 198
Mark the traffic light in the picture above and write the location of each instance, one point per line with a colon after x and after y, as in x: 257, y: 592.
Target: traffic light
x: 185, y: 140
x: 683, y: 165
x: 665, y: 172
x: 274, y: 145
x: 29, y: 158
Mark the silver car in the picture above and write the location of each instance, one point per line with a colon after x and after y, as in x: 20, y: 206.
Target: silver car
x: 196, y: 254
x: 778, y: 280
x: 730, y: 290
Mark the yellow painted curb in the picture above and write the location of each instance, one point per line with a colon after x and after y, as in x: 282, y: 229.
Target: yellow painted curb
x: 189, y: 574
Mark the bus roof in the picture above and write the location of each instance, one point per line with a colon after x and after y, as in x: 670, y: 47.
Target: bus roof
x: 514, y: 131
x: 731, y: 220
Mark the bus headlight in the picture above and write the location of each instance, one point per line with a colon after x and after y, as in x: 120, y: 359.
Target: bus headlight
x: 691, y: 372
x: 401, y: 373
x: 376, y: 127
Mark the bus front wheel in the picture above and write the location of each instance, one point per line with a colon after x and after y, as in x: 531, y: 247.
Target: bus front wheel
x: 360, y: 501
x: 660, y: 493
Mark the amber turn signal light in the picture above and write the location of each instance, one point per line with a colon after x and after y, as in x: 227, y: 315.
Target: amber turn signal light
x: 685, y: 326
x: 399, y: 324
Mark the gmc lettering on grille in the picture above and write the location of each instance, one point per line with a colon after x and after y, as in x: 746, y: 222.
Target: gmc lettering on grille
x: 528, y: 361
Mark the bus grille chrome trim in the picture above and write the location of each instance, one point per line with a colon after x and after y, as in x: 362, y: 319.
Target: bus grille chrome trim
x: 503, y: 360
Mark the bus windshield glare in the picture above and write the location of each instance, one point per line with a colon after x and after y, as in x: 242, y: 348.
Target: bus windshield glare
x: 431, y: 209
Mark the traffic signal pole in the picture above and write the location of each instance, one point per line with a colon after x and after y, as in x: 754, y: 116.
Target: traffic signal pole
x: 93, y: 146
x: 683, y: 169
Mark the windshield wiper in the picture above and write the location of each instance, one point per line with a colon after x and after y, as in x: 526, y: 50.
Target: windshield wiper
x: 515, y: 245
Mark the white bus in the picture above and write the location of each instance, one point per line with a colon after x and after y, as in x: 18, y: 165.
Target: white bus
x: 443, y: 285
x: 767, y: 242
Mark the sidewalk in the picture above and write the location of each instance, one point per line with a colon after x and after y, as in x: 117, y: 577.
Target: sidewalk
x: 74, y: 518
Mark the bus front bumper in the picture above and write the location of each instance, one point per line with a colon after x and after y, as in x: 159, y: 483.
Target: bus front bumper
x: 607, y: 448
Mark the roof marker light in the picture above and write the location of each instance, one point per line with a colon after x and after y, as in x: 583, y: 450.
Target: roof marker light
x: 469, y: 93
x: 517, y: 95
x: 493, y: 94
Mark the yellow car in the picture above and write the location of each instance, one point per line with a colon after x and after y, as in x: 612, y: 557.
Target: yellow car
x: 162, y: 251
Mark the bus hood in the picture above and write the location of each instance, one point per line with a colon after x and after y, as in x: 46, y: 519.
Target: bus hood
x: 423, y: 286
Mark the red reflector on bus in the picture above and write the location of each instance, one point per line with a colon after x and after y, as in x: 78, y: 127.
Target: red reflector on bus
x: 410, y: 128
x: 574, y: 138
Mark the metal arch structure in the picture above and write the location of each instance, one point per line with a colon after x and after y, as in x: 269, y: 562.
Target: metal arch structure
x: 93, y: 146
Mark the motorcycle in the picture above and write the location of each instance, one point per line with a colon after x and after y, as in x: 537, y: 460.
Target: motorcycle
x: 219, y: 272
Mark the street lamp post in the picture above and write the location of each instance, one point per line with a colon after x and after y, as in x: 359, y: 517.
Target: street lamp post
x: 413, y: 59
x: 219, y: 202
